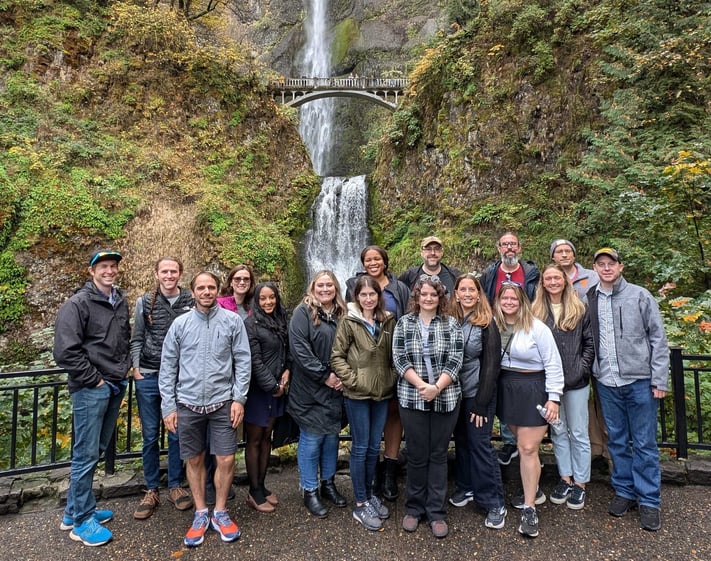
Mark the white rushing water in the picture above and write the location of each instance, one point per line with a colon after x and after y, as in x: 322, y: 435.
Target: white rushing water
x: 339, y: 228
x: 338, y: 232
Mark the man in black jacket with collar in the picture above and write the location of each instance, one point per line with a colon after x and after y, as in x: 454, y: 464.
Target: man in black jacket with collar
x: 91, y: 343
x: 431, y: 251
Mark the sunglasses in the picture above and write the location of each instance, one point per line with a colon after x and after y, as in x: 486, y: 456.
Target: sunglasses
x: 432, y: 278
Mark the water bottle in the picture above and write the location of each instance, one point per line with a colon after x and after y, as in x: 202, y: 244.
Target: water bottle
x: 543, y: 412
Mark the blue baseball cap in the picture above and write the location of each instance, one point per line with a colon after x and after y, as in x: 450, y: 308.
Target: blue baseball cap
x: 104, y: 255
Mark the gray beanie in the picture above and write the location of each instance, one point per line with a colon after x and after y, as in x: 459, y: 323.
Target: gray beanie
x: 556, y: 243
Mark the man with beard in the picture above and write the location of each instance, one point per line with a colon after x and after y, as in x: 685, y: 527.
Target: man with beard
x: 510, y: 268
x: 431, y: 251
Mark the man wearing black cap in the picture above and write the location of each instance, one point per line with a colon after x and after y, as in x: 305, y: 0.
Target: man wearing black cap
x: 563, y: 252
x: 91, y: 342
x: 431, y: 252
x: 632, y: 371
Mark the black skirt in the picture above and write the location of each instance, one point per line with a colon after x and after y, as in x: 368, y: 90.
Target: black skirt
x: 518, y: 395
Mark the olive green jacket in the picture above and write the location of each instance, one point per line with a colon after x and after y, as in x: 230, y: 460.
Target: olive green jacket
x: 362, y: 362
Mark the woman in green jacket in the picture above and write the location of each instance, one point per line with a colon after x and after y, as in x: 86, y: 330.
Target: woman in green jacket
x: 361, y: 358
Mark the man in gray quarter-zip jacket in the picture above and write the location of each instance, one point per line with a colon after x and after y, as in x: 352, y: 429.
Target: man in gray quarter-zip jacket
x: 204, y: 378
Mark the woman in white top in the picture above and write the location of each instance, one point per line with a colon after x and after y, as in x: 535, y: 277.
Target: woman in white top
x: 531, y: 375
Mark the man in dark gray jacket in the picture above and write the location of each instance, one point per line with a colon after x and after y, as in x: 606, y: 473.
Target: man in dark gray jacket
x: 91, y: 342
x: 632, y: 371
x: 204, y: 378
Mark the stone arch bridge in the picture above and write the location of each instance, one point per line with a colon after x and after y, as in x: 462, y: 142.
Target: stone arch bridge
x: 294, y: 92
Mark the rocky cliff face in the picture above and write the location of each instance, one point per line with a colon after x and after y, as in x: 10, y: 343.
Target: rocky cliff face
x: 370, y: 37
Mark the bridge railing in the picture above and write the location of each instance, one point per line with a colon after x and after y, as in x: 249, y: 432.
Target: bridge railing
x: 341, y: 83
x: 36, y: 423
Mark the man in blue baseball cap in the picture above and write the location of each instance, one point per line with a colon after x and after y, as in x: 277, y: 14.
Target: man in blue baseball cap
x: 91, y: 342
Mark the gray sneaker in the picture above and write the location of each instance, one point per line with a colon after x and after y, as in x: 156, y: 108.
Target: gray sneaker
x: 529, y: 523
x: 368, y: 517
x: 380, y: 508
x: 495, y: 518
x: 561, y: 492
x: 518, y: 500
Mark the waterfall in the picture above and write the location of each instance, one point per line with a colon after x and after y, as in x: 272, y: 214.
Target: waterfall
x: 339, y: 215
x: 338, y: 232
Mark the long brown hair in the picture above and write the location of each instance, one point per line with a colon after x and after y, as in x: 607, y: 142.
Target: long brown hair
x: 573, y: 309
x: 367, y: 281
x: 227, y: 289
x: 481, y: 316
x: 313, y: 303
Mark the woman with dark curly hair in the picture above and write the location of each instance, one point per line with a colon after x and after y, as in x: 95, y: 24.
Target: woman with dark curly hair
x: 427, y: 353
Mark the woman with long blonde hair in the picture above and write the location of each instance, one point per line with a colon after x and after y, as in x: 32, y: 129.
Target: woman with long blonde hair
x: 559, y: 307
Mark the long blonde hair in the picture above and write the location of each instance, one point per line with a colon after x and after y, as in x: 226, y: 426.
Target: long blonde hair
x: 313, y: 303
x: 524, y: 316
x: 573, y: 309
x: 481, y: 316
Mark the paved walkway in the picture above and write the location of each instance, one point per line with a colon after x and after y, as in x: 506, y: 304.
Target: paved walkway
x: 290, y: 535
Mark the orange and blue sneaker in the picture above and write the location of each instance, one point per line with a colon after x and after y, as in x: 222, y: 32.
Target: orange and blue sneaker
x: 222, y: 523
x: 196, y: 532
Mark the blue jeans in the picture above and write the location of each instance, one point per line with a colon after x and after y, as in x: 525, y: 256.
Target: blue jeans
x: 571, y: 439
x: 314, y: 451
x: 366, y: 418
x: 148, y: 399
x: 476, y: 465
x: 631, y: 417
x: 94, y: 412
x: 507, y: 437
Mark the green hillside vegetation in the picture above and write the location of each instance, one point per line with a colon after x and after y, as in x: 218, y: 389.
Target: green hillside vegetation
x: 587, y: 120
x: 127, y: 125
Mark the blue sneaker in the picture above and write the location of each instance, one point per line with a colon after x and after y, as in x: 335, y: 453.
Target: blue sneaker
x: 101, y: 516
x: 91, y: 533
x: 223, y: 524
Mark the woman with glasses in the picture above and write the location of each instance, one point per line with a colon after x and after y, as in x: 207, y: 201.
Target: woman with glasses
x: 238, y: 291
x: 362, y: 360
x: 395, y: 295
x: 478, y: 475
x: 531, y: 375
x: 559, y: 307
x: 316, y: 394
x: 267, y: 329
x: 427, y: 353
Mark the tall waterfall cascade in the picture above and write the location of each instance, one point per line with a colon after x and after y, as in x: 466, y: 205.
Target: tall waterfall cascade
x: 339, y: 215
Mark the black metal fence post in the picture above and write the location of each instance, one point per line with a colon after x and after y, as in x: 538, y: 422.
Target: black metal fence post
x: 677, y: 375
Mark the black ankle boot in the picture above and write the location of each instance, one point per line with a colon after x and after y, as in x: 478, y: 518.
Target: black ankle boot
x: 329, y: 491
x: 313, y: 504
x: 390, y: 491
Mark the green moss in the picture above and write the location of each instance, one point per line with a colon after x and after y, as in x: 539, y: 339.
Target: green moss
x: 345, y: 34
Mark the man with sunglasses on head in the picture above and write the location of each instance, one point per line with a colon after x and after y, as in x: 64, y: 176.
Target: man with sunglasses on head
x: 510, y: 267
x: 91, y: 342
x: 431, y: 250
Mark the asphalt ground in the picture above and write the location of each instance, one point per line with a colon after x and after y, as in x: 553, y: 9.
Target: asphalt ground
x: 290, y: 534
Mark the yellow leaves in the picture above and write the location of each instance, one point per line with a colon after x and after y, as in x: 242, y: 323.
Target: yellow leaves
x: 679, y: 302
x: 493, y: 51
x: 691, y: 318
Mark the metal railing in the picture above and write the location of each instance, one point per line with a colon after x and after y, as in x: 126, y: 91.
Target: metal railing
x: 36, y: 426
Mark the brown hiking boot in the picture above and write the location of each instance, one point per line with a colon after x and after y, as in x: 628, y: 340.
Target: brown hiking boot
x: 180, y: 498
x: 148, y: 505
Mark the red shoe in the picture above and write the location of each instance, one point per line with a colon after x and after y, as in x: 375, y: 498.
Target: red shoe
x: 223, y: 524
x: 196, y: 532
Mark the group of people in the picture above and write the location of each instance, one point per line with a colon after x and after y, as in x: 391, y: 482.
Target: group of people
x: 428, y: 355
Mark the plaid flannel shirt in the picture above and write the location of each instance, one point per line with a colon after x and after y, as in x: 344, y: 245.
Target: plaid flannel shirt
x: 446, y: 347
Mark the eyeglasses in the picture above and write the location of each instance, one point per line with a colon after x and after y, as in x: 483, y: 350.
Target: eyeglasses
x: 509, y: 282
x: 562, y: 251
x: 432, y: 278
x: 508, y: 244
x: 432, y: 249
x: 240, y: 280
